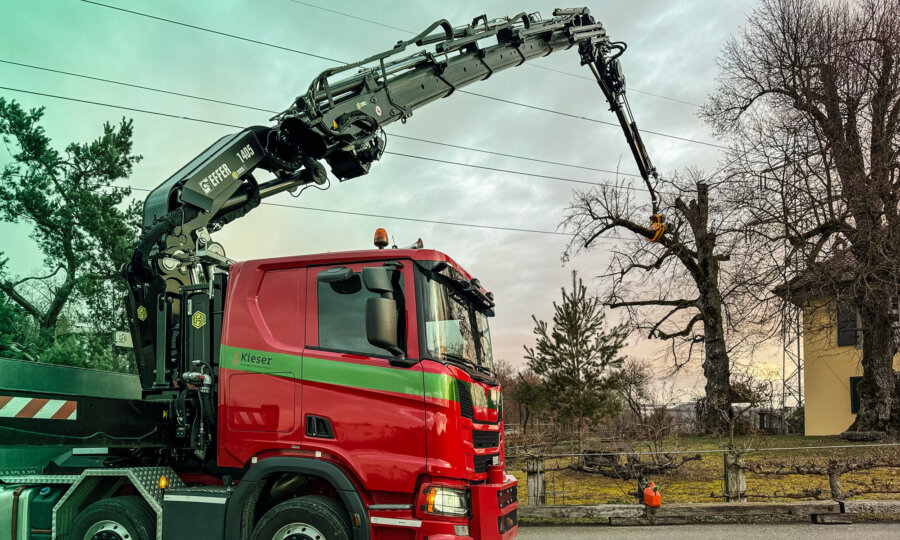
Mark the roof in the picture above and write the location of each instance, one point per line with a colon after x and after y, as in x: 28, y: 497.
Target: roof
x: 817, y: 277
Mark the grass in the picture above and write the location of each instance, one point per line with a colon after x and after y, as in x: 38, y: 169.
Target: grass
x: 701, y: 481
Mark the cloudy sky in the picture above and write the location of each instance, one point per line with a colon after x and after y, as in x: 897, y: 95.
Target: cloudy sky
x: 672, y: 48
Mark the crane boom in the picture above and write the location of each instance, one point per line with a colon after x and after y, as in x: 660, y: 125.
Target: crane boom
x: 338, y: 120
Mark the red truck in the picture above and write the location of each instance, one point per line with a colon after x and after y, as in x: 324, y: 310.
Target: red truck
x: 318, y: 397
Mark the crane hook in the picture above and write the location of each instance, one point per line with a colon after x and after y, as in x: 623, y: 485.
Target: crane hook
x: 658, y: 226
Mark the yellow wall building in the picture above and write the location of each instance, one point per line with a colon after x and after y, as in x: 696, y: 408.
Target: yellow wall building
x: 831, y: 366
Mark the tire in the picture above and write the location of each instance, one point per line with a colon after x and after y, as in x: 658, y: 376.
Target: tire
x: 121, y: 518
x: 314, y: 517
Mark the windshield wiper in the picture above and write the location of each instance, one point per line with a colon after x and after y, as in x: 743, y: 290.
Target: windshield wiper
x: 465, y: 361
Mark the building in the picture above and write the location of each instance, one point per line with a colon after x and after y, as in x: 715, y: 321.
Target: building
x: 832, y: 347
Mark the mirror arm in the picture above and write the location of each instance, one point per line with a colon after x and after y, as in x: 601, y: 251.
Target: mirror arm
x: 400, y: 359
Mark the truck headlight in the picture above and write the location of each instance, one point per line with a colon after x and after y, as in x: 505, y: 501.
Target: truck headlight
x: 446, y: 501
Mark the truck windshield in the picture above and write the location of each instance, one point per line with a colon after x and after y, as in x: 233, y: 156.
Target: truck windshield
x: 454, y: 329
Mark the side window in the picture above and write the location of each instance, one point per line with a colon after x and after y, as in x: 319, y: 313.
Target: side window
x: 342, y: 315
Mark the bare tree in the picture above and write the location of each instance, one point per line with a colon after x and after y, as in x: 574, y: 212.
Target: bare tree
x: 634, y: 386
x: 674, y: 289
x: 810, y: 93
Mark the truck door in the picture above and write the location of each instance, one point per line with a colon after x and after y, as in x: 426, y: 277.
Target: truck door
x: 356, y: 405
x: 260, y: 362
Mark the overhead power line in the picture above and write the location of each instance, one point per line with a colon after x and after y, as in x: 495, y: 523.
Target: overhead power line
x: 250, y: 107
x: 511, y: 102
x: 122, y: 107
x: 211, y: 31
x: 591, y: 79
x: 138, y: 86
x: 353, y: 16
x: 589, y: 119
x: 417, y: 220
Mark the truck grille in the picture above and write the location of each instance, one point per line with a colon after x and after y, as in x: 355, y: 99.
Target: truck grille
x: 507, y: 522
x: 486, y: 439
x: 483, y: 462
x: 465, y: 400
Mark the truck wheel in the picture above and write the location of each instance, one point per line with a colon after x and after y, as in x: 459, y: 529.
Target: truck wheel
x: 121, y: 518
x: 314, y: 517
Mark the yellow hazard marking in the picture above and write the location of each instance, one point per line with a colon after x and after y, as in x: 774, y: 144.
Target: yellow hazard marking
x: 198, y: 319
x: 234, y: 175
x: 334, y: 124
x: 142, y: 313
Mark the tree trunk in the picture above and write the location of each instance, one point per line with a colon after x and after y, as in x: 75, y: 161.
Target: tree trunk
x: 718, y: 384
x: 735, y: 478
x: 876, y: 389
x: 716, y: 366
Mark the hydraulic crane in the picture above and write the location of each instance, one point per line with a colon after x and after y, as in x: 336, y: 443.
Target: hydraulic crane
x: 339, y: 120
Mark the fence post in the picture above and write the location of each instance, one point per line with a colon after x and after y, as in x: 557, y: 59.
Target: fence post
x: 534, y: 469
x: 735, y: 479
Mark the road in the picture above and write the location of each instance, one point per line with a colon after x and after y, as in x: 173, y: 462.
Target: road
x: 749, y: 531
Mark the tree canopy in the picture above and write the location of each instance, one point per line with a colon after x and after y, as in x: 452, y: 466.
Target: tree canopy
x: 82, y: 223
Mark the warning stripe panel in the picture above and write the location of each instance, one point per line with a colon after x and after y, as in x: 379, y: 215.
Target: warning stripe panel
x: 38, y: 408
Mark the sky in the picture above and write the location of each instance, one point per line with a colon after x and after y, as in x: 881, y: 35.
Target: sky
x: 672, y: 49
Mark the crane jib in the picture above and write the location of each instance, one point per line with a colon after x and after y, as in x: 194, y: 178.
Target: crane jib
x: 221, y: 176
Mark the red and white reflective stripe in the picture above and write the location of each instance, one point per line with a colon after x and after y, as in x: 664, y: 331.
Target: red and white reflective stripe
x: 38, y: 408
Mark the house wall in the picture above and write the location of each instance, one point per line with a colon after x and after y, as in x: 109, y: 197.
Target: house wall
x: 827, y: 369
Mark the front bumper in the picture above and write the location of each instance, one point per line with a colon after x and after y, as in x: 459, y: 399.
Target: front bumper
x: 495, y: 510
x: 494, y: 517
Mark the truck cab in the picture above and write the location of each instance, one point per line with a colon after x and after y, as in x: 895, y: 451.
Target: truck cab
x: 415, y: 424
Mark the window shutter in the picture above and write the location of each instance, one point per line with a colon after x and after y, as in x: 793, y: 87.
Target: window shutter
x: 846, y: 326
x: 854, y: 395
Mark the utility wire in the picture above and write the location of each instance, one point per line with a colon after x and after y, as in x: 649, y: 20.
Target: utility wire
x: 515, y: 156
x: 511, y: 102
x: 531, y: 65
x: 138, y: 86
x: 400, y: 218
x: 353, y: 16
x: 497, y: 169
x: 411, y: 156
x: 242, y: 106
x: 593, y: 80
x: 588, y: 119
x: 122, y: 107
x: 217, y: 32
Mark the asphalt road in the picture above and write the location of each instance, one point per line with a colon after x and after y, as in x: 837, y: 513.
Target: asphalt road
x: 751, y: 531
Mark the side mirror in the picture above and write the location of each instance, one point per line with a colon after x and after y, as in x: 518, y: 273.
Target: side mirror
x: 381, y: 328
x: 377, y: 280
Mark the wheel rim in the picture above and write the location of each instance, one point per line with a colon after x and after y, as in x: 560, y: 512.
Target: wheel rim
x: 107, y: 530
x: 298, y: 531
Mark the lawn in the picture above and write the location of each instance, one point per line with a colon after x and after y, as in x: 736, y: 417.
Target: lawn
x: 701, y: 481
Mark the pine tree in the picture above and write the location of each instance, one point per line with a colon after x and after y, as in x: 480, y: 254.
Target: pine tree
x: 83, y: 224
x: 578, y: 359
